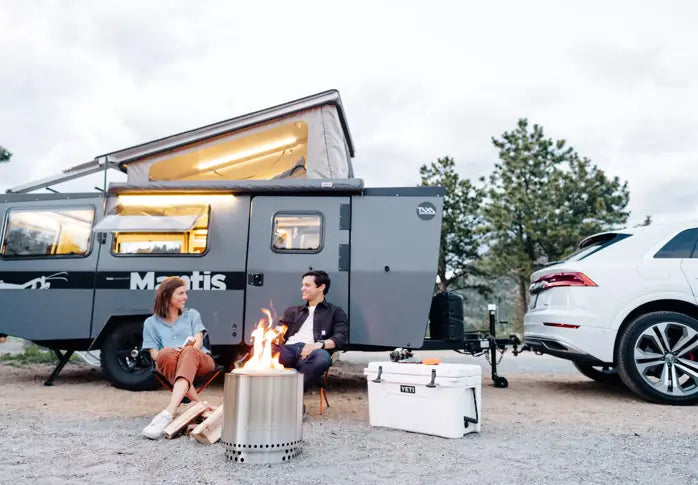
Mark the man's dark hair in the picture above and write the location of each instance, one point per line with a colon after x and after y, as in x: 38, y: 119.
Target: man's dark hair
x: 321, y: 278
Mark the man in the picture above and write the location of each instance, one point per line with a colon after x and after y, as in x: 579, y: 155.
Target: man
x: 314, y: 329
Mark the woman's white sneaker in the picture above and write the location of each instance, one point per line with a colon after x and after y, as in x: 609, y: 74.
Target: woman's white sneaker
x: 157, y: 426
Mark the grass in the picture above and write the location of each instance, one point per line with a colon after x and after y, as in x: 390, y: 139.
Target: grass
x: 33, y: 354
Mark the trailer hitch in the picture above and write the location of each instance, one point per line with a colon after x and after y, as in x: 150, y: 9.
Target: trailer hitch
x: 524, y: 348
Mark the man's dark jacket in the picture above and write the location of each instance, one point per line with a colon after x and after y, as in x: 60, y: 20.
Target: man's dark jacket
x: 329, y: 322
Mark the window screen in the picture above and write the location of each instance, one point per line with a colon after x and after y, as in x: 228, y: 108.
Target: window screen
x: 297, y: 232
x: 680, y: 246
x: 46, y: 233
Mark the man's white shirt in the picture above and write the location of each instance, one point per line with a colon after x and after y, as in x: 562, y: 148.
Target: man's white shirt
x: 305, y: 333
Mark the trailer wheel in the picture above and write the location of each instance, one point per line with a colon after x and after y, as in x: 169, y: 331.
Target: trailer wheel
x: 603, y: 374
x: 123, y: 363
x: 501, y: 382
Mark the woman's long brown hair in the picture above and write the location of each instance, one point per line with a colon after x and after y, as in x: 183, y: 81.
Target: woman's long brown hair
x: 164, y: 293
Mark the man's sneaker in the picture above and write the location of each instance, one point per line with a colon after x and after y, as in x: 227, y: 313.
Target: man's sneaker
x: 156, y: 427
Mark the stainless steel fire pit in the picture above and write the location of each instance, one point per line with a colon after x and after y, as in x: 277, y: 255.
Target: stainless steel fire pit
x: 262, y: 415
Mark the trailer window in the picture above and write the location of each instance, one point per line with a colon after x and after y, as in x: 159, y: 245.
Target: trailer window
x: 42, y: 233
x: 146, y: 230
x: 297, y: 232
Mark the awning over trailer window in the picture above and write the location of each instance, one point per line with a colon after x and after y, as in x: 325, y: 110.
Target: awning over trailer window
x: 151, y: 219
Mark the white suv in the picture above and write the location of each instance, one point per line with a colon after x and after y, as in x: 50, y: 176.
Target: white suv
x: 624, y: 306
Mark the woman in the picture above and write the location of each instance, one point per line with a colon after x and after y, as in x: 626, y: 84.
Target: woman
x: 168, y: 335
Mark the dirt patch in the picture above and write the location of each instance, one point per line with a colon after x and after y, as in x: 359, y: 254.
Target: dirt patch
x: 546, y: 399
x: 544, y: 428
x: 81, y: 390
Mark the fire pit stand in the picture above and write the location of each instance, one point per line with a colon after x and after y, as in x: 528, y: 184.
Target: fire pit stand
x: 262, y: 415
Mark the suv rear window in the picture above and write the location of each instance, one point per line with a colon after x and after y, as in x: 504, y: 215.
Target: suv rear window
x: 680, y: 246
x: 594, y: 245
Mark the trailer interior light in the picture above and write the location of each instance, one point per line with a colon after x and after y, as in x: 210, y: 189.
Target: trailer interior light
x: 172, y: 200
x: 560, y: 325
x: 254, y: 152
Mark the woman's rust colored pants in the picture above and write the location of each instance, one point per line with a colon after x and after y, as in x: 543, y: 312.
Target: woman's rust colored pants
x: 188, y: 363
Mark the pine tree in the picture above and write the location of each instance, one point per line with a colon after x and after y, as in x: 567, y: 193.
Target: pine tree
x: 460, y: 244
x: 541, y: 200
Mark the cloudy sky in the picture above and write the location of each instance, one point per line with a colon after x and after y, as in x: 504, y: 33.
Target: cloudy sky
x: 618, y: 80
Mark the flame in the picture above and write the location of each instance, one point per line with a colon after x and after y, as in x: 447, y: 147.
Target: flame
x: 262, y: 337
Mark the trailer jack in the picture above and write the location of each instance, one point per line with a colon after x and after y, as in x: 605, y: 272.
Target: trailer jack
x: 63, y: 359
x: 499, y: 381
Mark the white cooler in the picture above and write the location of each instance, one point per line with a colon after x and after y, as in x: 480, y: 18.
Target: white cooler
x: 442, y: 399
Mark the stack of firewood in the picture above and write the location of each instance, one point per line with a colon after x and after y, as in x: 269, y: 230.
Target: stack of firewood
x: 198, y: 421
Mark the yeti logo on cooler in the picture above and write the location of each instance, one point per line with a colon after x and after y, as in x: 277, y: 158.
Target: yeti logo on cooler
x: 407, y: 389
x: 426, y: 211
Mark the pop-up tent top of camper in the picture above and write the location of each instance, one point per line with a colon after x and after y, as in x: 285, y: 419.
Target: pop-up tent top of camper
x: 305, y: 138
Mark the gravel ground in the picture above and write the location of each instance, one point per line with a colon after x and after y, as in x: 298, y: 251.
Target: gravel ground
x: 545, y: 428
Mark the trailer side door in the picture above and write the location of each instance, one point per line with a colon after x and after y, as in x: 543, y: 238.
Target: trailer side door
x: 394, y: 253
x: 290, y: 235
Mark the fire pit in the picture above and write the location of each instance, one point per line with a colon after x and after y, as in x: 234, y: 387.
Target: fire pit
x: 263, y: 404
x: 263, y: 415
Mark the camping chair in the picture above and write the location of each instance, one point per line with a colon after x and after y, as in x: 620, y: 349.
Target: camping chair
x: 200, y: 383
x: 323, y: 383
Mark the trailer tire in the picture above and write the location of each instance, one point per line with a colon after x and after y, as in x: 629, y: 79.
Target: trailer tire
x: 123, y: 362
x: 501, y: 382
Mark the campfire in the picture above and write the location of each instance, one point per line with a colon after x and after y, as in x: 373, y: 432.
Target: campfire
x: 263, y: 337
x: 263, y: 403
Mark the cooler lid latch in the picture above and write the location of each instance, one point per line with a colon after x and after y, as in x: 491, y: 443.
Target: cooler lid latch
x: 433, y: 378
x: 378, y: 377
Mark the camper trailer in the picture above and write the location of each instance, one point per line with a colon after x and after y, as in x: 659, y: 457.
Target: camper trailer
x: 239, y: 209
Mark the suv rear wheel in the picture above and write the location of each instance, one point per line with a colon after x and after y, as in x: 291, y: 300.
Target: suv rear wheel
x: 658, y: 357
x: 599, y: 373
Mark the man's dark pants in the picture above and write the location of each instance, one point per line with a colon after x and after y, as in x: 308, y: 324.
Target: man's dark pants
x: 312, y: 367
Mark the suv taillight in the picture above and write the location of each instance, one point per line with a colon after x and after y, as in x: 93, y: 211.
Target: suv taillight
x: 561, y: 279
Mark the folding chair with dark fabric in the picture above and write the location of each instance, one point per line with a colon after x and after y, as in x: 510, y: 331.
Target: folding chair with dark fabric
x: 200, y: 383
x: 323, y: 390
x: 323, y: 383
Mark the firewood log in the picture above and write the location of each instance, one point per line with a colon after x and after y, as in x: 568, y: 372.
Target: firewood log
x: 181, y: 421
x: 211, y: 429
